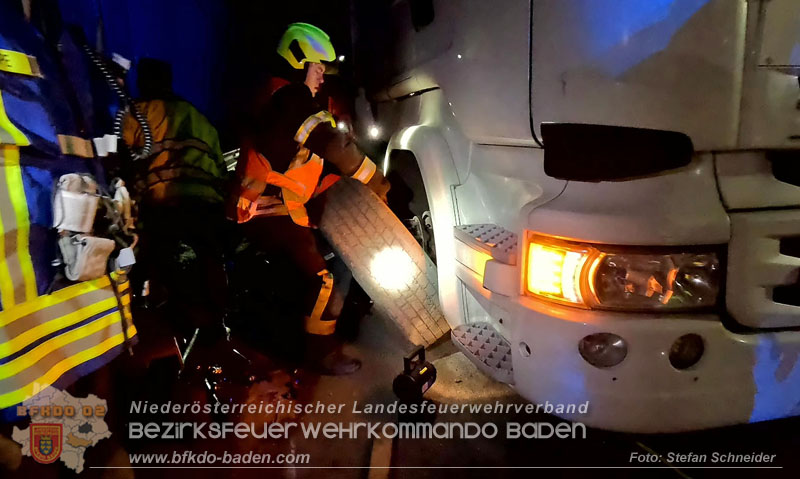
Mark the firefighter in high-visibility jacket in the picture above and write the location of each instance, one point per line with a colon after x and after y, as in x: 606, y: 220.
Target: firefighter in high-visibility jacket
x: 179, y: 189
x: 53, y: 330
x: 295, y: 153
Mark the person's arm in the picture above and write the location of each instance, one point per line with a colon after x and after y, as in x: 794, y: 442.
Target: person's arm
x: 318, y: 135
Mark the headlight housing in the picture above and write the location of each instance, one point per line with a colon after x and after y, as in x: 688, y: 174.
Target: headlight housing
x: 622, y: 278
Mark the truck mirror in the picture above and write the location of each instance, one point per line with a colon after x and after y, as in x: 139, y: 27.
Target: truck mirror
x: 586, y: 152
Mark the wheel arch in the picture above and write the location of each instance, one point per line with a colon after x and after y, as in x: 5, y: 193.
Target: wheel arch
x: 428, y: 147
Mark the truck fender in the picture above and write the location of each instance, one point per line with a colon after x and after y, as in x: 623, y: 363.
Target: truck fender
x: 439, y: 176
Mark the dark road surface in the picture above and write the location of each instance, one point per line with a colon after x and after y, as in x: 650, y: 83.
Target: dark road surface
x: 381, y: 348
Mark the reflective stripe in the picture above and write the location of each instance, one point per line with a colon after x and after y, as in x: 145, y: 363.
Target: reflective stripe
x: 365, y: 171
x: 44, y: 327
x: 74, y: 338
x: 314, y: 323
x: 123, y: 285
x: 27, y: 391
x: 279, y: 210
x: 10, y: 134
x: 127, y: 315
x: 51, y: 334
x: 122, y: 291
x: 286, y: 182
x: 31, y: 321
x: 311, y: 122
x: 6, y: 276
x: 17, y: 279
x: 263, y: 206
x: 20, y: 63
x: 16, y: 192
x: 60, y: 296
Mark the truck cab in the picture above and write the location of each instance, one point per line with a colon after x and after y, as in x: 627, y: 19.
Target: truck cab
x: 614, y: 194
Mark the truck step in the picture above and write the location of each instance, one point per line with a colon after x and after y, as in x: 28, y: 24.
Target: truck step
x: 486, y: 348
x: 495, y: 240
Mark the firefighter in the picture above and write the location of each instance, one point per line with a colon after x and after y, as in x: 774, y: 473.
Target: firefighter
x: 54, y: 330
x: 179, y: 188
x: 283, y: 170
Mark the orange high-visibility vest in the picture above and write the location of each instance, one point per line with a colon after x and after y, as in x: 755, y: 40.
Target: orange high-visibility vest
x: 298, y: 184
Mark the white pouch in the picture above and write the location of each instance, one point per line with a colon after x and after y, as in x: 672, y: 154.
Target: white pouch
x: 125, y: 259
x: 122, y: 201
x: 75, y: 203
x: 85, y: 257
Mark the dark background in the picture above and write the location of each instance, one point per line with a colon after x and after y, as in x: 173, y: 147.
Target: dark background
x: 220, y: 51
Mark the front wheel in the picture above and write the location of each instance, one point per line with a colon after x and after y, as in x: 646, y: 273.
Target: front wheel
x: 385, y: 259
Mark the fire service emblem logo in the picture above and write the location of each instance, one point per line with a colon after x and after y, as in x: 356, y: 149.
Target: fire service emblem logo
x: 46, y: 442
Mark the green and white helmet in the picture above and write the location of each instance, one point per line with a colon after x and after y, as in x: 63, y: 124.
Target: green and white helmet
x: 303, y: 43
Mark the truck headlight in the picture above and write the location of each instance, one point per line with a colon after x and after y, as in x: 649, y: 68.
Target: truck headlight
x: 622, y: 278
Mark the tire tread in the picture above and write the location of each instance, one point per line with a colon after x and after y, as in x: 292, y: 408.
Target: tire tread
x: 359, y: 225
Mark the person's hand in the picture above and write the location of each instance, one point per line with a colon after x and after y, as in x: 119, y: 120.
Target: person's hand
x: 380, y: 185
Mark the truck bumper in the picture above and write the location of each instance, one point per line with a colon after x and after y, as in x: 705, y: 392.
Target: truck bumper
x: 740, y: 378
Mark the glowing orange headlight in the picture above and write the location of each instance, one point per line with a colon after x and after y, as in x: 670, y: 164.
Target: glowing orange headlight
x: 621, y: 278
x: 555, y: 270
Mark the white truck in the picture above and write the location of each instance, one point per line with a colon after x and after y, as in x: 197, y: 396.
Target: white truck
x: 615, y: 195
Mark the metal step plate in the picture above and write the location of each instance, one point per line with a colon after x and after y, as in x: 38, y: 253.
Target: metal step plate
x: 486, y: 348
x: 495, y: 240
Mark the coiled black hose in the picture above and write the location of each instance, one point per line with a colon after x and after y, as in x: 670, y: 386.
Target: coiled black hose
x: 125, y: 104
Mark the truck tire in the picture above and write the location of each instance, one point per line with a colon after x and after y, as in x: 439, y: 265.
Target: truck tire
x: 385, y: 259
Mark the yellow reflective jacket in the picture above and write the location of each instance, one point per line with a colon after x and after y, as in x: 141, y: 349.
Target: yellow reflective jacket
x: 186, y: 159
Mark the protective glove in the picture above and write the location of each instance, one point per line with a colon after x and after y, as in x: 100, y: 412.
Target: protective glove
x: 380, y: 185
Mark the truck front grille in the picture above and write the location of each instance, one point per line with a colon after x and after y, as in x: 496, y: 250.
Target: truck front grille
x: 763, y: 281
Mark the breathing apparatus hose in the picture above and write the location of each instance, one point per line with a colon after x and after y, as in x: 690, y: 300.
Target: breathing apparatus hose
x: 125, y: 104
